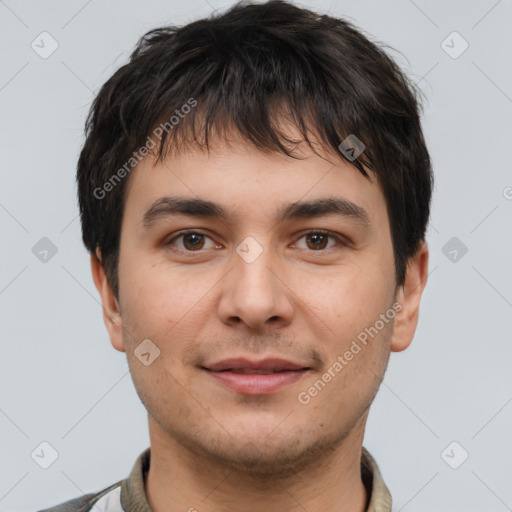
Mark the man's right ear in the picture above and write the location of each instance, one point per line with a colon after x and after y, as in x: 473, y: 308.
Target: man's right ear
x: 111, y: 310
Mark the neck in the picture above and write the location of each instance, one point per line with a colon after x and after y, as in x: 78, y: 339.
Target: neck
x: 179, y: 480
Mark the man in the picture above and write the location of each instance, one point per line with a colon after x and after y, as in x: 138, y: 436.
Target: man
x: 254, y: 191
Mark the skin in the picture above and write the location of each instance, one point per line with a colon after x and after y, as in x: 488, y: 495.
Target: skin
x: 213, y: 449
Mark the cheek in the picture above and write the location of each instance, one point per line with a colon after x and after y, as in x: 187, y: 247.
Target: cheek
x: 155, y: 297
x: 165, y: 307
x: 347, y: 302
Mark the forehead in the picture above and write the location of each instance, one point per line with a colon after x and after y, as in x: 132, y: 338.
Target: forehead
x: 232, y: 177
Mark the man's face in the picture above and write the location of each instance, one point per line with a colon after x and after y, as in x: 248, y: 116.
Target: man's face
x: 255, y: 286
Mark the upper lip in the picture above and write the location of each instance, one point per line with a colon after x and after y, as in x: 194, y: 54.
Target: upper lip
x: 248, y: 364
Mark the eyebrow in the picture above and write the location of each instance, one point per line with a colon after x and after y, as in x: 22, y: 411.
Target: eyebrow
x: 171, y: 206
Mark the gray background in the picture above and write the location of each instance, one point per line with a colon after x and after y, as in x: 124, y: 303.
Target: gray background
x: 63, y: 383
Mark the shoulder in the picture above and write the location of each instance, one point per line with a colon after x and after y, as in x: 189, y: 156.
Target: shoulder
x: 82, y: 503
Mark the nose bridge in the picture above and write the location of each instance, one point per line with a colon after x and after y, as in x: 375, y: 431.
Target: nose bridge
x: 253, y: 291
x: 252, y: 266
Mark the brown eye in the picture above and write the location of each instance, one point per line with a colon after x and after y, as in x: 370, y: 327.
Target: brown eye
x: 317, y: 240
x: 191, y: 241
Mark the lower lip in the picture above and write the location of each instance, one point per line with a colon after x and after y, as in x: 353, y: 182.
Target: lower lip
x: 257, y: 383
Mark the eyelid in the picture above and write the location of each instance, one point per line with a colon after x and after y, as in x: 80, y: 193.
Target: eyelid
x: 340, y: 239
x: 185, y: 232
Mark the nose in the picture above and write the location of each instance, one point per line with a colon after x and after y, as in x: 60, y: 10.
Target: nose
x: 255, y: 293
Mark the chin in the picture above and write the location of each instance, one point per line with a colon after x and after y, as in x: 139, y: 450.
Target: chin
x: 262, y: 460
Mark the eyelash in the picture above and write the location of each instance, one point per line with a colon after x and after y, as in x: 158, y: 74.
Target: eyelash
x: 340, y: 241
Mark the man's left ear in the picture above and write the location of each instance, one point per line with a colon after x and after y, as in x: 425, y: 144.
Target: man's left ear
x: 409, y: 296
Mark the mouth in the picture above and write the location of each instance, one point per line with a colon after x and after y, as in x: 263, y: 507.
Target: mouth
x: 255, y: 377
x: 257, y: 372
